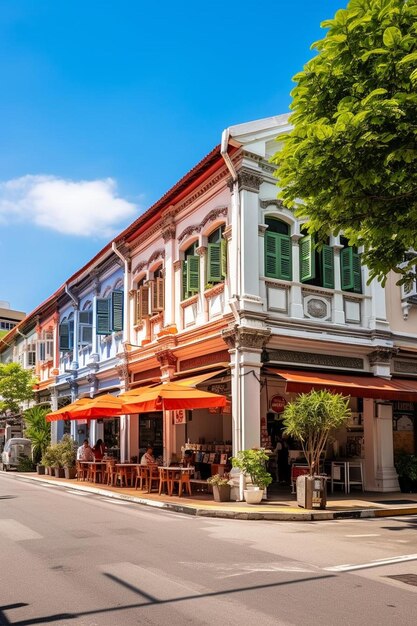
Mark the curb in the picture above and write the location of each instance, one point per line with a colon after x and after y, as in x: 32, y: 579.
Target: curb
x: 283, y: 516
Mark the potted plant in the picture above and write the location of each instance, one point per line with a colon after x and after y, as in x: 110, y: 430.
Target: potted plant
x: 221, y: 487
x: 252, y: 463
x: 406, y: 466
x: 68, y: 455
x: 309, y: 419
x: 38, y: 430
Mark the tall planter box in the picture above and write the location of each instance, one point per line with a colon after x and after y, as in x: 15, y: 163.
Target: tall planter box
x: 70, y: 472
x: 221, y: 493
x: 59, y: 472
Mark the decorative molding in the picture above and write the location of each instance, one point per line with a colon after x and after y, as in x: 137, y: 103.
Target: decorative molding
x: 166, y: 357
x: 187, y: 232
x: 201, y: 251
x: 177, y: 265
x: 327, y: 360
x: 274, y: 202
x: 202, y: 190
x: 262, y: 228
x: 276, y: 284
x: 204, y: 360
x: 382, y: 356
x: 214, y: 215
x: 158, y: 254
x: 244, y: 338
x: 139, y: 267
x: 168, y: 233
x: 228, y: 231
x: 249, y: 180
x: 189, y: 301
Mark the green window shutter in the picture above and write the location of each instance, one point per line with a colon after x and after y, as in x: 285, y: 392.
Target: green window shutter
x: 284, y: 257
x: 357, y: 279
x: 223, y: 255
x: 193, y: 274
x: 214, y: 272
x: 307, y: 258
x: 184, y: 280
x: 64, y: 337
x: 346, y: 269
x: 271, y: 255
x: 117, y: 310
x: 327, y: 267
x: 103, y: 316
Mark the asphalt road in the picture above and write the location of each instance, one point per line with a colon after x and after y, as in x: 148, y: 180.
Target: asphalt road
x: 68, y: 557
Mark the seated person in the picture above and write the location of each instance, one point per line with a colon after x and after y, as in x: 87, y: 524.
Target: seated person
x: 99, y: 450
x: 148, y: 458
x: 188, y: 460
x: 85, y: 452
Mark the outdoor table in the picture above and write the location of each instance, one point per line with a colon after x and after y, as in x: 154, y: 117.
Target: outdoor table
x: 125, y: 472
x: 94, y: 468
x: 174, y: 473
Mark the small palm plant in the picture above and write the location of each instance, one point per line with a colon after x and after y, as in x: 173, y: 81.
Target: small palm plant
x: 311, y: 417
x: 38, y: 430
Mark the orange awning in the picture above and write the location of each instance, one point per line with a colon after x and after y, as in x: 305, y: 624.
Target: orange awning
x: 193, y: 381
x: 61, y: 414
x: 170, y: 396
x: 100, y: 406
x: 349, y: 385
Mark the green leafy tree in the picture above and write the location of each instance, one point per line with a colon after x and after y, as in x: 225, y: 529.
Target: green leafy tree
x: 16, y: 386
x: 38, y: 430
x: 350, y: 162
x: 311, y: 417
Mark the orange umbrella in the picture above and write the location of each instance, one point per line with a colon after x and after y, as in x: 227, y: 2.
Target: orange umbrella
x: 101, y: 406
x: 61, y: 414
x: 170, y: 396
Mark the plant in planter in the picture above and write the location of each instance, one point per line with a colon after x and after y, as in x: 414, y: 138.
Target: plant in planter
x: 38, y: 430
x: 310, y: 418
x: 221, y: 487
x: 68, y: 455
x: 252, y: 463
x: 406, y: 466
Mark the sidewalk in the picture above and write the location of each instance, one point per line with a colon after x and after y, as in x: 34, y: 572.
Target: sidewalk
x: 279, y: 506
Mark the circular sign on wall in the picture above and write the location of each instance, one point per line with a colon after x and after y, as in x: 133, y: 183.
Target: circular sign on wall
x: 278, y: 404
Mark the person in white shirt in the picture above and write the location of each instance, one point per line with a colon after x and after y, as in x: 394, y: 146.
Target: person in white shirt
x: 147, y: 458
x: 84, y: 452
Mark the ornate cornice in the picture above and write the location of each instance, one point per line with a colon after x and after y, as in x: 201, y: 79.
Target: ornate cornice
x: 382, y: 356
x: 274, y: 202
x: 201, y: 251
x: 168, y: 233
x: 244, y: 338
x: 249, y: 180
x: 139, y: 267
x: 177, y: 265
x: 166, y: 358
x: 326, y: 360
x: 202, y: 190
x: 158, y: 254
x: 213, y: 215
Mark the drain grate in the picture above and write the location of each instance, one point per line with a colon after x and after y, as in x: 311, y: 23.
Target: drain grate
x: 394, y: 501
x: 408, y: 579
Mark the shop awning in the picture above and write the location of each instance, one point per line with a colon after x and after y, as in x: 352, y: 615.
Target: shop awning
x: 349, y: 385
x: 193, y: 381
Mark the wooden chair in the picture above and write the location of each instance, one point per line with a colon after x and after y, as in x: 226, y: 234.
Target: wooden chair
x: 142, y: 475
x: 182, y: 479
x: 153, y: 480
x: 110, y: 472
x: 82, y: 470
x: 165, y: 481
x: 96, y: 473
x: 123, y: 475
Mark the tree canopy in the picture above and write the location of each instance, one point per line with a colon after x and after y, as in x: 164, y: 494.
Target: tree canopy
x: 350, y: 162
x: 16, y: 386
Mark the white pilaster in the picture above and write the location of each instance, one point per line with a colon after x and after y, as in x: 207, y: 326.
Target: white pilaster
x: 338, y: 301
x: 386, y: 478
x: 296, y: 296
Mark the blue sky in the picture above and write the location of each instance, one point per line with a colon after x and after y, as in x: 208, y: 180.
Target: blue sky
x: 105, y: 105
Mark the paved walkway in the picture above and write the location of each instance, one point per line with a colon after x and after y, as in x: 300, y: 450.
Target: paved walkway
x: 281, y: 505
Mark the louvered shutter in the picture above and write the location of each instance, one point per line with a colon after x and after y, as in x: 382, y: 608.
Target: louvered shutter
x: 103, y: 316
x: 193, y: 274
x: 184, y: 280
x: 63, y: 337
x: 154, y: 296
x: 86, y: 335
x: 357, y: 278
x: 160, y: 290
x: 223, y: 255
x: 117, y: 310
x: 327, y: 267
x: 214, y: 270
x: 142, y: 303
x: 346, y: 268
x: 307, y: 259
x: 271, y: 255
x: 284, y: 257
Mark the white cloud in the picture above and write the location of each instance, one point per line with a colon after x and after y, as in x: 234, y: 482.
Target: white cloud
x: 82, y: 208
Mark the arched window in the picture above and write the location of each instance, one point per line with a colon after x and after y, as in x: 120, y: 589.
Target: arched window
x: 190, y: 272
x: 216, y: 256
x: 278, y: 259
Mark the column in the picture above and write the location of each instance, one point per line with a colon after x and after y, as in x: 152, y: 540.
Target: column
x: 338, y: 303
x: 386, y: 478
x: 296, y: 308
x: 168, y: 235
x: 247, y: 257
